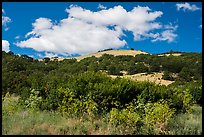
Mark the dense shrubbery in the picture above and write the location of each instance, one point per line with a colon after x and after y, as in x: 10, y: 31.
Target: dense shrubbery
x: 130, y: 104
x: 78, y: 89
x: 22, y: 73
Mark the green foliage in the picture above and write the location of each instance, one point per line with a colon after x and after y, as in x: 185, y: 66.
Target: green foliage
x: 124, y: 117
x: 185, y: 74
x: 167, y: 76
x: 10, y: 104
x: 46, y: 59
x: 127, y: 120
x: 194, y: 88
x: 113, y: 70
x: 78, y: 89
x: 78, y: 106
x: 158, y: 114
x: 181, y: 99
x: 34, y: 101
x: 187, y: 123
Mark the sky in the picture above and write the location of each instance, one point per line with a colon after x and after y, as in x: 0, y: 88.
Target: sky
x: 65, y: 29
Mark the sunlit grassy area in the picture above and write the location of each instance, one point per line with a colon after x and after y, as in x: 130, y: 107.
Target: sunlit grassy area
x: 187, y: 124
x: 20, y: 121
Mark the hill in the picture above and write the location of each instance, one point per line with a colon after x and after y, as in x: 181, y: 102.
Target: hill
x: 113, y: 52
x: 110, y: 52
x: 112, y: 93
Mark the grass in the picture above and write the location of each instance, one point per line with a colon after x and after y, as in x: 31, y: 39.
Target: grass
x: 188, y: 123
x: 19, y: 121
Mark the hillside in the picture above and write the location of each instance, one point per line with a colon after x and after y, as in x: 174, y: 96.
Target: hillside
x: 110, y: 52
x: 156, y: 77
x: 102, y: 95
x: 113, y: 52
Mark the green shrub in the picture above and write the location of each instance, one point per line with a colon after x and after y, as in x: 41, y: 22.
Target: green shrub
x: 157, y: 115
x: 71, y: 105
x: 181, y: 99
x: 10, y: 104
x: 34, y: 101
x: 127, y: 121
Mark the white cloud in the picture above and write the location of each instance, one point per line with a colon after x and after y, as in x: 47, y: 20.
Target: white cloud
x: 17, y: 37
x: 170, y: 26
x: 139, y: 21
x: 200, y: 26
x: 47, y: 54
x: 31, y: 56
x: 86, y: 32
x: 5, y: 20
x: 168, y: 34
x: 40, y: 25
x: 73, y: 36
x: 100, y: 6
x: 5, y: 46
x: 187, y: 6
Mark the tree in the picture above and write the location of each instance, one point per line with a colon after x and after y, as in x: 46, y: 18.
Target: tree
x: 185, y: 74
x: 113, y: 70
x: 167, y: 76
x: 131, y: 69
x: 46, y: 59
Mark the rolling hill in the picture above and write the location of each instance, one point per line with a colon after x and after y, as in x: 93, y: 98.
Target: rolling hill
x: 111, y: 52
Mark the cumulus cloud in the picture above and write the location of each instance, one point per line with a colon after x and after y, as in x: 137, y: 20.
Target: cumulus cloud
x: 168, y: 34
x: 5, y: 20
x: 187, y: 6
x: 139, y: 21
x: 73, y: 36
x: 85, y: 31
x: 100, y: 6
x: 40, y: 25
x: 5, y: 46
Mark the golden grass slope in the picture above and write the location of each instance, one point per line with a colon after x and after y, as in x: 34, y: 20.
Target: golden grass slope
x: 113, y: 52
x: 155, y: 77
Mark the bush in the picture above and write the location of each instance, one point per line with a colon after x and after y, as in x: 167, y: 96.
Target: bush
x: 157, y: 115
x: 34, y: 101
x: 73, y: 106
x: 167, y: 76
x: 126, y: 120
x: 10, y: 104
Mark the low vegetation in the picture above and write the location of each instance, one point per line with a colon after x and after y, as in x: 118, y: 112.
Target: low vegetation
x: 70, y: 97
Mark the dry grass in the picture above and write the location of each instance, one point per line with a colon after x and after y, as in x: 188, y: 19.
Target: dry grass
x: 174, y: 54
x: 155, y: 77
x: 111, y: 52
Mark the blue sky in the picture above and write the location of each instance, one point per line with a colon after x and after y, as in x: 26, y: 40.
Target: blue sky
x: 67, y: 29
